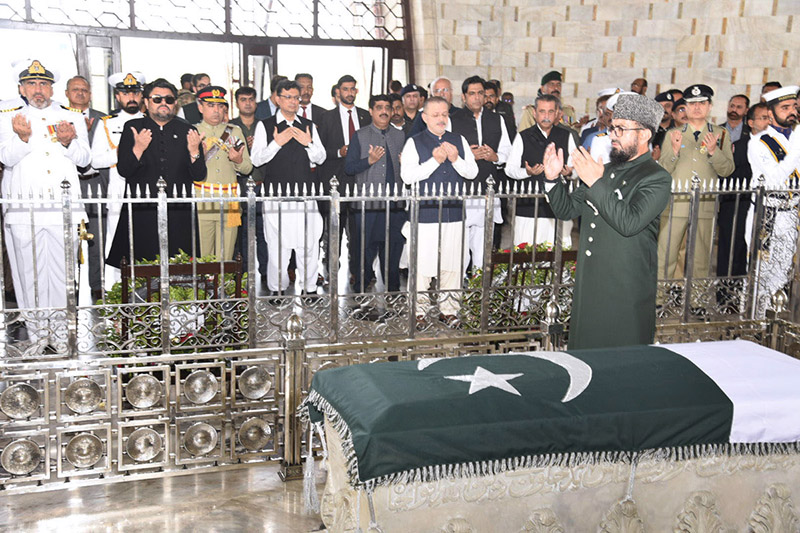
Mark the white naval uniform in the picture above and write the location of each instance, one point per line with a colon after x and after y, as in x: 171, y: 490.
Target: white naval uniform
x: 36, y: 168
x: 104, y: 155
x: 541, y: 229
x: 780, y: 214
x: 476, y: 208
x: 290, y: 225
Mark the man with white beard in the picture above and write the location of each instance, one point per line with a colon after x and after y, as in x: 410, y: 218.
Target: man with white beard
x: 41, y: 145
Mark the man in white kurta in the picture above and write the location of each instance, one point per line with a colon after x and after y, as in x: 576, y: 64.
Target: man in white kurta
x: 438, y: 158
x: 775, y: 154
x: 287, y: 145
x: 41, y: 145
x: 128, y: 94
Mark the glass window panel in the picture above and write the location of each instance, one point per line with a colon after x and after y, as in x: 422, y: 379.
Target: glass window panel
x: 55, y: 50
x: 91, y: 13
x: 181, y: 16
x: 344, y: 19
x: 330, y: 63
x: 276, y: 18
x: 12, y: 10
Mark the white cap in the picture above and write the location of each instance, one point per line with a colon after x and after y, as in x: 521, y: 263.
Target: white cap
x: 35, y: 69
x: 613, y: 100
x: 609, y: 91
x: 127, y: 80
x: 784, y: 93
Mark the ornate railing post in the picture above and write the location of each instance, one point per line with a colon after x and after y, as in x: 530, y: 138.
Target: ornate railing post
x: 69, y: 270
x: 294, y: 355
x: 488, y: 245
x: 554, y: 329
x: 754, y: 262
x: 691, y: 241
x: 163, y: 261
x: 775, y: 325
x: 333, y: 257
x: 413, y: 241
x: 252, y: 207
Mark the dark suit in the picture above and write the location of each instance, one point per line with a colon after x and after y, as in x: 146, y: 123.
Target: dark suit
x: 728, y: 212
x: 264, y: 110
x: 192, y: 113
x: 332, y: 136
x: 316, y: 114
x: 95, y: 181
x: 505, y: 110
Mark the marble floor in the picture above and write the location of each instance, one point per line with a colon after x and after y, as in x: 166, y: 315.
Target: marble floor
x: 244, y: 500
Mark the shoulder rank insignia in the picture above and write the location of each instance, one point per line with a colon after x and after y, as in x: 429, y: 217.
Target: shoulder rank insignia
x: 10, y: 110
x: 71, y: 109
x: 602, y: 134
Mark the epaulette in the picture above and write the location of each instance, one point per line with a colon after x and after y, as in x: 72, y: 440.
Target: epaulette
x: 10, y: 110
x: 112, y: 115
x: 604, y: 134
x: 710, y: 128
x: 71, y: 109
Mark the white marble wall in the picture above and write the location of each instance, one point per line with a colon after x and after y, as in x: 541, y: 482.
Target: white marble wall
x: 732, y: 45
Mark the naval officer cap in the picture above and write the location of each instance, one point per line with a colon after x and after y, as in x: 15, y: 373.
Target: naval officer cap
x: 33, y: 69
x: 553, y: 75
x: 129, y: 82
x: 639, y: 108
x: 666, y: 96
x: 212, y: 93
x: 613, y: 100
x: 609, y: 91
x: 779, y: 95
x: 410, y: 88
x: 698, y: 93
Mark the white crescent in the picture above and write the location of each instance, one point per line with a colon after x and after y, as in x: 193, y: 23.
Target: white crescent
x: 580, y: 374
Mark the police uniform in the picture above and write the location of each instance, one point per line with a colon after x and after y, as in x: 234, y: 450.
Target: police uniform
x: 220, y: 181
x: 104, y: 155
x: 692, y: 158
x: 34, y: 168
x: 775, y: 154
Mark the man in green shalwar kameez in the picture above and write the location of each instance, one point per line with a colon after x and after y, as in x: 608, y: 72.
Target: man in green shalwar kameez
x: 614, y: 301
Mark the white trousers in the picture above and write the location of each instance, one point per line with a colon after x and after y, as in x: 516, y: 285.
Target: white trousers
x: 545, y: 229
x: 40, y: 282
x: 292, y: 226
x: 476, y: 224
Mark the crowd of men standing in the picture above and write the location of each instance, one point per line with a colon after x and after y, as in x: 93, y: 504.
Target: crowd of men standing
x: 408, y: 136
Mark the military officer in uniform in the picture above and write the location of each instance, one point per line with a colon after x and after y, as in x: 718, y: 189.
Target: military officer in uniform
x: 41, y: 145
x: 775, y: 154
x: 226, y: 154
x: 696, y: 148
x: 614, y: 302
x: 127, y: 88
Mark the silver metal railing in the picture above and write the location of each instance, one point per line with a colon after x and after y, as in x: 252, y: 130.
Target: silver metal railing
x: 198, y: 306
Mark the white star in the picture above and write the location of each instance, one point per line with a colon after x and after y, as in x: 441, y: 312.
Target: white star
x: 483, y: 379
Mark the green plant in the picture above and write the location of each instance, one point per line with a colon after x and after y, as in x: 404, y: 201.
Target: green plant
x: 517, y: 292
x: 196, y: 323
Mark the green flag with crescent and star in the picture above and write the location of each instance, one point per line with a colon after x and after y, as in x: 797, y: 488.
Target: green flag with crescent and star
x: 409, y: 415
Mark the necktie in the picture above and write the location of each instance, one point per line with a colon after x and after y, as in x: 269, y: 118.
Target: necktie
x: 351, y: 126
x: 696, y: 135
x: 304, y: 112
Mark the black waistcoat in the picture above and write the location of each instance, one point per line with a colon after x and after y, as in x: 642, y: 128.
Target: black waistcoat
x: 533, y: 147
x: 290, y: 165
x: 464, y: 123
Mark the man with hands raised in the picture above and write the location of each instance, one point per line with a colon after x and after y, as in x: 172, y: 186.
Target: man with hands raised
x: 614, y: 300
x: 287, y: 145
x: 155, y: 146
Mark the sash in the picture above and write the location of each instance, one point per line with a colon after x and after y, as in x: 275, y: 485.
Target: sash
x: 220, y: 143
x: 779, y: 153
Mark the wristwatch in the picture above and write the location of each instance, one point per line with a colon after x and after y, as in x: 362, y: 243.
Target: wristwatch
x: 195, y: 157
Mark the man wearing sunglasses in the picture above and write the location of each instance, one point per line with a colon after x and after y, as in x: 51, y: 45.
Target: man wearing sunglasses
x: 157, y: 146
x: 614, y: 300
